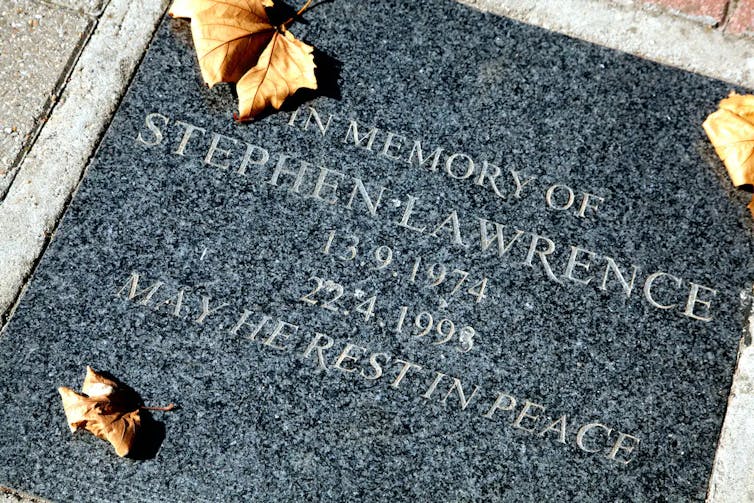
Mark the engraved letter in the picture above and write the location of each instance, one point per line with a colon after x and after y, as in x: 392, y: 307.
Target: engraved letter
x: 315, y: 345
x: 206, y: 311
x: 322, y: 127
x: 502, y: 247
x: 385, y: 152
x: 551, y: 191
x: 149, y: 122
x: 459, y: 391
x: 432, y: 387
x: 133, y: 293
x: 491, y: 177
x: 455, y: 227
x: 404, y: 370
x: 242, y: 321
x: 648, y: 289
x: 353, y: 129
x: 264, y: 156
x: 420, y: 160
x: 190, y: 128
x: 280, y: 169
x: 693, y: 300
x: 375, y: 366
x: 585, y: 204
x: 584, y: 429
x: 278, y: 331
x: 345, y: 356
x: 619, y: 446
x: 535, y: 239
x: 561, y: 430
x: 519, y: 184
x: 469, y: 167
x: 573, y: 263
x: 496, y: 406
x: 213, y: 148
x: 321, y: 182
x: 294, y: 116
x: 628, y: 286
x: 176, y: 302
x: 358, y: 186
x: 407, y: 215
x: 524, y: 414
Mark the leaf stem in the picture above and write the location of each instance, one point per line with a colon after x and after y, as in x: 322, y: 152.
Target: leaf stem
x: 300, y: 11
x: 163, y: 409
x: 303, y: 9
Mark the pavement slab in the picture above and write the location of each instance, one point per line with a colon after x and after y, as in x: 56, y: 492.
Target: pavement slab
x: 709, y: 12
x: 93, y: 7
x: 741, y: 20
x: 32, y: 33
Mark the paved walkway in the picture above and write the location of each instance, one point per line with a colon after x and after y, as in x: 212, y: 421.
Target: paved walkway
x: 39, y: 42
x: 64, y: 65
x: 734, y: 17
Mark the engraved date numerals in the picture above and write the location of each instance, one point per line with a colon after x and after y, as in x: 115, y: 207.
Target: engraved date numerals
x: 334, y: 297
x: 326, y: 293
x: 444, y: 330
x: 436, y: 274
x: 444, y: 279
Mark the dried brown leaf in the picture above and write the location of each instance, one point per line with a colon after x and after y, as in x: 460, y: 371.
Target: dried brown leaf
x: 185, y: 8
x: 235, y: 42
x: 96, y: 385
x: 740, y: 104
x: 229, y: 36
x: 118, y: 428
x: 286, y: 65
x: 731, y: 131
x: 105, y: 409
x: 78, y: 408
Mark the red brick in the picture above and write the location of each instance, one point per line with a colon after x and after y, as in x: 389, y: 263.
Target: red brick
x: 709, y: 12
x: 741, y: 20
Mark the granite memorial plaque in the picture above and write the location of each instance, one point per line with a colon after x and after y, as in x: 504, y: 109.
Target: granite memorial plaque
x: 484, y: 262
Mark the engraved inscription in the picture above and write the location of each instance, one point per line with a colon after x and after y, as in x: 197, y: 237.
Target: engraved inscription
x: 326, y: 353
x: 562, y: 263
x: 446, y: 280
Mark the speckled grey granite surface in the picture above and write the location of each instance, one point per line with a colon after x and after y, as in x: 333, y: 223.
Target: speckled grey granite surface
x: 265, y: 424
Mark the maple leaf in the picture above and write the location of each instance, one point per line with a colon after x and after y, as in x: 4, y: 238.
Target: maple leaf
x: 285, y: 66
x: 731, y: 131
x: 236, y: 42
x: 228, y: 36
x: 184, y: 8
x: 106, y: 409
